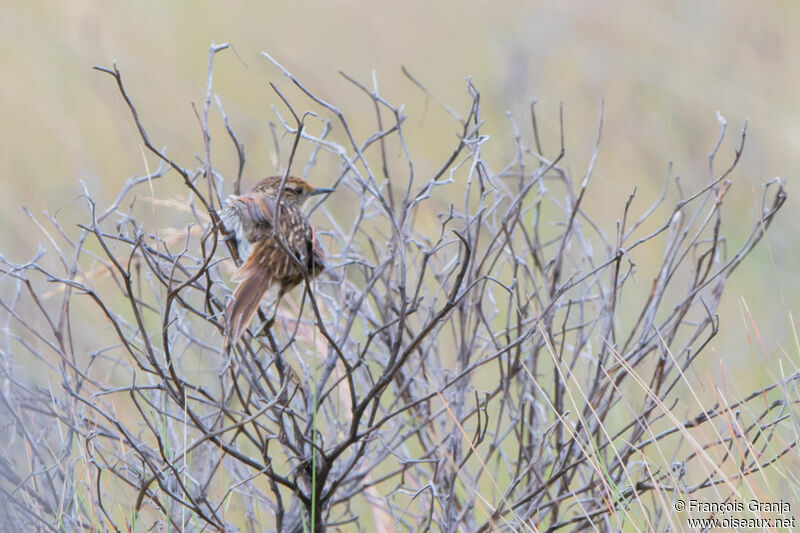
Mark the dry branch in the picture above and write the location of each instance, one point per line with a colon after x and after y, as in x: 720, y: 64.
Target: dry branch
x: 474, y: 376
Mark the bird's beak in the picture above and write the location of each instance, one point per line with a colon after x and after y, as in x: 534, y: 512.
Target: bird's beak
x: 320, y: 191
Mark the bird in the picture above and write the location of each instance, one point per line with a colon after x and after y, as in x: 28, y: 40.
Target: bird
x: 249, y: 220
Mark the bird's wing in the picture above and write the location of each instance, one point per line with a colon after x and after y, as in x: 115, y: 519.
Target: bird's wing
x: 248, y: 218
x: 253, y: 209
x: 302, y: 241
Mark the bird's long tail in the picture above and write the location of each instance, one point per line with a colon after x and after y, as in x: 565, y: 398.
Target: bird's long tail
x: 255, y: 280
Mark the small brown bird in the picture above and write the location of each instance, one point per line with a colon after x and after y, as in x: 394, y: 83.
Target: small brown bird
x: 249, y: 220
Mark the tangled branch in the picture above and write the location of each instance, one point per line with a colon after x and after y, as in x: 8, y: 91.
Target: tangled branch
x: 486, y: 372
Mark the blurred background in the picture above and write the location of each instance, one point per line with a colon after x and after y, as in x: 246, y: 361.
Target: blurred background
x: 663, y: 73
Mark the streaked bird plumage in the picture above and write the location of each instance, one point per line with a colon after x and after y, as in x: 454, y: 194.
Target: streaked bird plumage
x: 249, y: 220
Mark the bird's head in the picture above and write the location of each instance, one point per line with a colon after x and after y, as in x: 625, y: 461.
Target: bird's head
x: 295, y: 190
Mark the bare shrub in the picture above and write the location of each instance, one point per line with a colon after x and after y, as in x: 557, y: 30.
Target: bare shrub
x: 480, y: 373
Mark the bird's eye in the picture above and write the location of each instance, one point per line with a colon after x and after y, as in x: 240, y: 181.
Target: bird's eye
x: 298, y: 190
